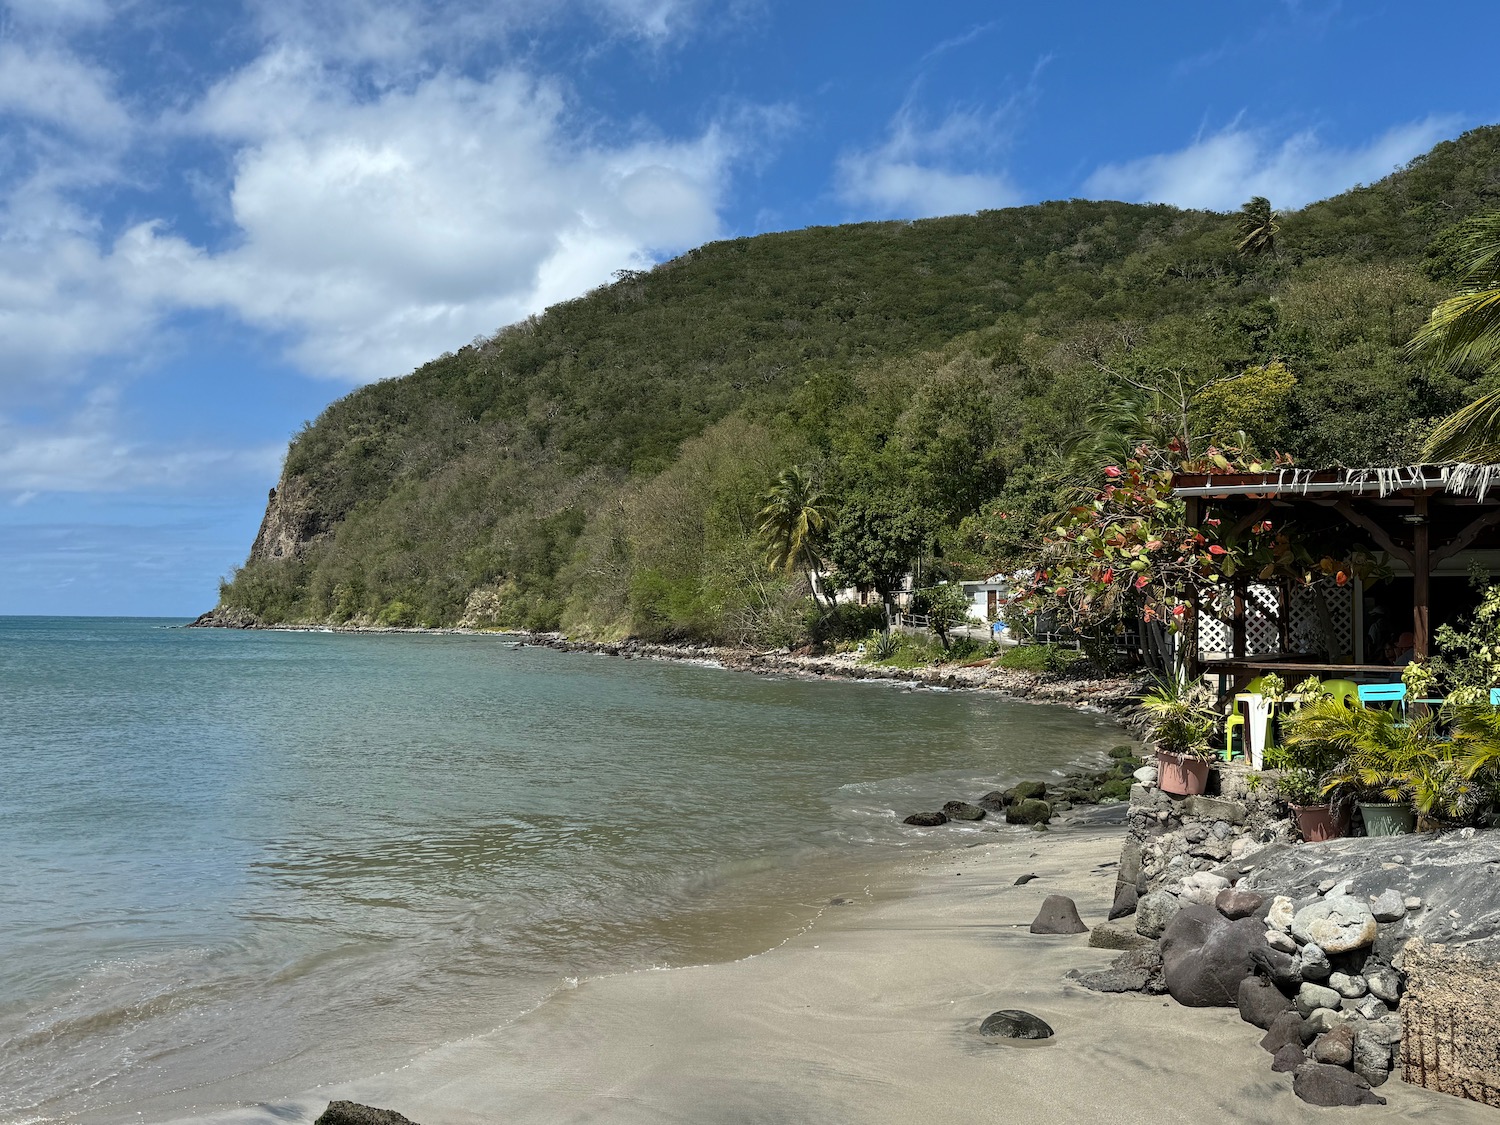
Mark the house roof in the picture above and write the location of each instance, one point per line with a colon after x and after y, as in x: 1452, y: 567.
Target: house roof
x: 1472, y: 482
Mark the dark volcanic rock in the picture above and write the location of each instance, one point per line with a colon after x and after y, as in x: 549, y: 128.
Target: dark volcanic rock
x: 1261, y: 1003
x: 1058, y: 915
x: 1028, y: 811
x: 1205, y: 956
x: 926, y: 819
x: 1335, y: 1046
x: 1235, y: 904
x: 352, y: 1113
x: 1028, y: 790
x: 994, y: 801
x: 1287, y: 1058
x: 1289, y: 1027
x: 1139, y: 970
x: 1125, y: 899
x: 1325, y: 1084
x: 1022, y: 880
x: 962, y: 810
x: 1014, y: 1024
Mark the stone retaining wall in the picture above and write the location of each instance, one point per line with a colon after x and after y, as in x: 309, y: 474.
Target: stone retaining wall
x: 1451, y: 1038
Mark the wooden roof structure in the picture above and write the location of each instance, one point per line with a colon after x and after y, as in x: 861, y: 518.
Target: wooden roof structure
x: 1419, y: 515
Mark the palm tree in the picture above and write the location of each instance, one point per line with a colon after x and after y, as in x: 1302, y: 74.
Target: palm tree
x: 1258, y: 228
x: 793, y: 523
x: 1464, y: 331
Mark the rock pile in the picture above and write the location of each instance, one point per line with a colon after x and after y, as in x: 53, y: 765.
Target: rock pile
x: 1034, y: 803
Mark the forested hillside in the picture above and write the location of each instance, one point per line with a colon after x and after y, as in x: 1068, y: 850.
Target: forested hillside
x: 601, y: 467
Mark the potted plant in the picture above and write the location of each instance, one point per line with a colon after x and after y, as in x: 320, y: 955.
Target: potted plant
x: 1182, y: 719
x: 1315, y: 817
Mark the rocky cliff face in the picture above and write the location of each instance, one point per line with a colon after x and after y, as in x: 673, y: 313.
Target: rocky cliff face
x: 291, y: 523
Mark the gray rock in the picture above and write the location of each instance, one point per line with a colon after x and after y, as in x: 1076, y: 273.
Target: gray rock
x: 1214, y: 808
x: 1384, y: 984
x: 1205, y: 957
x: 1335, y: 1046
x: 1028, y: 811
x: 1012, y: 1023
x: 994, y: 801
x: 962, y: 810
x: 352, y: 1113
x: 1203, y: 888
x: 1235, y: 903
x: 1126, y: 898
x: 1114, y: 935
x: 1028, y: 790
x: 1022, y: 880
x: 926, y: 819
x: 1288, y: 1027
x: 1281, y: 941
x: 1311, y: 997
x: 1154, y: 912
x: 1349, y: 986
x: 1058, y: 915
x: 1287, y: 1058
x: 1371, y: 1058
x: 1138, y: 970
x: 1339, y: 923
x: 1369, y: 1008
x: 1314, y: 962
x: 1146, y: 775
x: 1324, y: 1019
x: 1261, y: 1003
x: 1324, y: 1084
x: 1388, y: 906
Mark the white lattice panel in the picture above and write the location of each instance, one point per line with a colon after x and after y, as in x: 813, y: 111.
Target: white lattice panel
x: 1307, y: 630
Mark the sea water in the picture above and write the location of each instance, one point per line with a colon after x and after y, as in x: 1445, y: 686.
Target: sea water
x: 234, y: 865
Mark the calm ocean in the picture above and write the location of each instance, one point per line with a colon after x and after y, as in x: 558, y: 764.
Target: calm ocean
x: 238, y: 864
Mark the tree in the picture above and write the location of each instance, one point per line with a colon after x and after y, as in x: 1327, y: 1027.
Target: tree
x: 1257, y: 228
x: 946, y: 607
x: 874, y: 543
x: 1464, y: 331
x: 793, y: 523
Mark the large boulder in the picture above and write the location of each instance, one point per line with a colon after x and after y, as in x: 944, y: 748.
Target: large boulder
x: 1235, y: 903
x: 994, y: 801
x: 1125, y: 902
x: 1015, y: 1024
x: 1205, y: 956
x: 1028, y: 811
x: 1058, y: 915
x: 352, y: 1113
x: 1337, y: 923
x: 1261, y: 1003
x: 926, y: 819
x: 1028, y: 790
x: 1138, y: 970
x: 1324, y: 1084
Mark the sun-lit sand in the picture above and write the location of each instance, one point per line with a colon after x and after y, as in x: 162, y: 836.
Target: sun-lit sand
x: 871, y: 1016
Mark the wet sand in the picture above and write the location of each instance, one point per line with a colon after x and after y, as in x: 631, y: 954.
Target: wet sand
x: 871, y: 1016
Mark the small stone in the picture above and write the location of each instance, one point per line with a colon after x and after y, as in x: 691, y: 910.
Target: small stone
x: 1281, y: 913
x: 1238, y: 904
x: 1384, y: 984
x: 1115, y: 935
x: 1412, y: 902
x: 1028, y: 811
x: 1338, y: 923
x: 1314, y: 962
x: 1351, y: 986
x: 994, y: 801
x: 1388, y: 906
x: 1328, y: 1085
x: 1058, y: 915
x: 1287, y: 1058
x: 352, y: 1113
x: 1146, y: 775
x: 1372, y: 1058
x: 1336, y: 1045
x: 926, y: 819
x: 1327, y: 885
x: 1014, y: 1024
x: 1369, y: 1008
x: 1260, y: 1002
x: 1154, y: 912
x: 962, y: 810
x: 1126, y: 898
x: 1324, y: 1019
x: 1279, y: 940
x: 1311, y: 997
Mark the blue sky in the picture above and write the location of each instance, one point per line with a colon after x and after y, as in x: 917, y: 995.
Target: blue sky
x: 217, y: 217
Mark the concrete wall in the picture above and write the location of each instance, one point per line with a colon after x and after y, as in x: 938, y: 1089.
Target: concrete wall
x: 1451, y: 1023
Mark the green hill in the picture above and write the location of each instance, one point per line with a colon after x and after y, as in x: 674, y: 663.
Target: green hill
x: 599, y: 467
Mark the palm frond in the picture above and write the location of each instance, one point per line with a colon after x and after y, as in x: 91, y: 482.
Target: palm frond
x: 1470, y: 435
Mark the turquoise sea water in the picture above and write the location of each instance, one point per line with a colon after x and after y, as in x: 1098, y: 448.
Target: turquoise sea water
x: 239, y: 864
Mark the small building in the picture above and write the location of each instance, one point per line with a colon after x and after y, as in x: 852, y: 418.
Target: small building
x: 987, y: 598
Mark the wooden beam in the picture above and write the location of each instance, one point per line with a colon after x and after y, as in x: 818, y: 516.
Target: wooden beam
x: 1378, y: 533
x: 1466, y: 536
x: 1246, y: 522
x: 1421, y: 572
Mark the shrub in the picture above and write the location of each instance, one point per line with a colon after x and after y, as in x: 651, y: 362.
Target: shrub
x: 398, y: 614
x: 846, y: 621
x: 1039, y: 658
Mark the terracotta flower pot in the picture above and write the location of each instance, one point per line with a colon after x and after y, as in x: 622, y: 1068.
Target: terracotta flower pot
x: 1180, y: 774
x: 1320, y: 822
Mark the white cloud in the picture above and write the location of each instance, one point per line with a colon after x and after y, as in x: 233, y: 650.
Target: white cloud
x: 51, y: 86
x: 918, y: 172
x: 89, y: 452
x: 1221, y: 171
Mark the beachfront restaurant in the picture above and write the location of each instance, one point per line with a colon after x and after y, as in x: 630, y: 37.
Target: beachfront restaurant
x: 1425, y: 525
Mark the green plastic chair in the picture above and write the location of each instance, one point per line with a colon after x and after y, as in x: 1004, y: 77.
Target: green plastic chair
x: 1345, y: 691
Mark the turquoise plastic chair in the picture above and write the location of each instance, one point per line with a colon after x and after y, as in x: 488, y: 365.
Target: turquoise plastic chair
x: 1383, y: 693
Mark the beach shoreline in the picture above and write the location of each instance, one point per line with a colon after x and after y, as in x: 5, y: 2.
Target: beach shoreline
x: 869, y: 1013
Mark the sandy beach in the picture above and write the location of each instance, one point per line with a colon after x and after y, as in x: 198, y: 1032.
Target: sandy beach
x: 870, y: 1015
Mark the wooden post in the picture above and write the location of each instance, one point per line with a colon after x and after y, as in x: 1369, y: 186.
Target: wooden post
x: 1190, y: 667
x: 1238, y: 644
x: 1421, y: 577
x: 1284, y: 618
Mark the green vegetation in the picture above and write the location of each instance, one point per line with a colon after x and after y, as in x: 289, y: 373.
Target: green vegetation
x: 1048, y: 659
x: 649, y: 459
